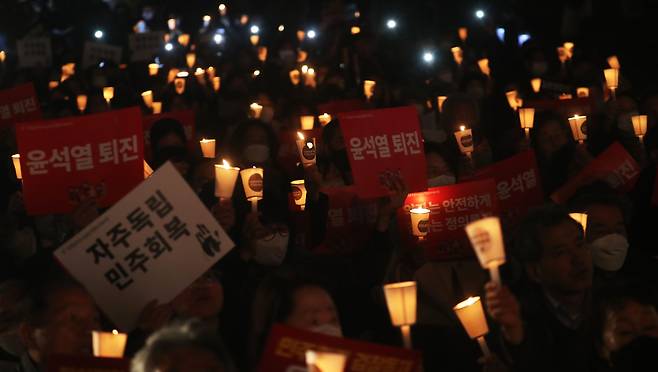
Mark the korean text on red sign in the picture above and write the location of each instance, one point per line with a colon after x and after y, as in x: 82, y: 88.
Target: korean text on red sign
x: 126, y: 257
x: 384, y: 140
x: 286, y: 352
x: 18, y: 104
x: 451, y: 208
x: 95, y: 156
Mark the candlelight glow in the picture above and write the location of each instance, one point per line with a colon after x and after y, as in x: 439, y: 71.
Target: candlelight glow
x: 216, y: 83
x: 254, y: 39
x: 81, y: 100
x: 207, y: 147
x: 3, y: 55
x: 578, y: 131
x: 300, y: 35
x: 16, y: 159
x: 222, y: 9
x: 147, y: 97
x: 256, y: 73
x: 256, y: 110
x: 244, y: 19
x: 53, y: 84
x: 301, y: 136
x: 184, y: 39
x: 581, y: 218
x: 108, y: 93
x: 401, y: 302
x: 613, y: 62
x: 640, y: 125
x: 484, y: 66
x: 471, y: 315
x: 153, y: 69
x: 109, y: 344
x: 463, y: 33
x: 462, y: 128
x: 157, y: 108
x: 440, y: 100
x: 190, y: 58
x: 171, y: 23
x: 582, y: 92
x: 457, y: 54
x: 536, y: 84
x: 324, y: 119
x: 355, y: 30
x: 611, y: 78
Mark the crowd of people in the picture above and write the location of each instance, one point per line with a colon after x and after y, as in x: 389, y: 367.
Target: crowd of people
x: 571, y: 299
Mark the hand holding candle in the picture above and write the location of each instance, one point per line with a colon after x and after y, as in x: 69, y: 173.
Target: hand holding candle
x: 401, y: 302
x: 486, y: 237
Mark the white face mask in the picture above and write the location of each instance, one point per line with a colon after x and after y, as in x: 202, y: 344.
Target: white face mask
x: 609, y: 252
x: 256, y: 153
x: 442, y: 180
x: 328, y: 329
x: 270, y: 252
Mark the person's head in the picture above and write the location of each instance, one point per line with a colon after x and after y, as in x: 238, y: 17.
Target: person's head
x: 460, y: 109
x: 168, y: 143
x: 203, y: 299
x: 270, y: 248
x: 440, y: 165
x: 334, y: 163
x: 183, y: 347
x: 606, y: 229
x: 310, y: 307
x: 550, y: 135
x: 59, y: 320
x: 552, y: 249
x: 627, y: 322
x: 254, y: 142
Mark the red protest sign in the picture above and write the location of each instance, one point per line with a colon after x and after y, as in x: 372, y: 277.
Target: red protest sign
x: 19, y: 103
x: 340, y: 106
x: 187, y: 120
x: 518, y: 185
x: 350, y: 221
x: 64, y: 363
x: 615, y: 166
x: 384, y: 140
x: 451, y: 208
x: 94, y: 156
x: 286, y: 351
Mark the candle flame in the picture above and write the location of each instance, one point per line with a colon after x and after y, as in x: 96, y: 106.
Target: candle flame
x: 300, y: 135
x: 115, y: 332
x: 467, y: 302
x: 419, y: 210
x: 462, y: 128
x: 147, y: 93
x: 226, y: 164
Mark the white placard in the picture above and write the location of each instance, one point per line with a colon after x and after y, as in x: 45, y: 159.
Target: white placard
x: 160, y: 255
x: 95, y: 52
x: 145, y: 46
x: 34, y: 52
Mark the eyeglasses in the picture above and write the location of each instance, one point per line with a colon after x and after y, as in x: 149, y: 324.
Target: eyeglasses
x: 274, y: 230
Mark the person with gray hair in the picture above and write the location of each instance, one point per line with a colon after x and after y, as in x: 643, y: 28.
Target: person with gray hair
x: 181, y: 347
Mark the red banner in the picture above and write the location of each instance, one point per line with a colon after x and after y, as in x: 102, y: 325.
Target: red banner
x: 615, y: 166
x: 451, y: 208
x: 186, y: 118
x: 68, y: 160
x: 19, y: 104
x: 62, y: 363
x: 336, y: 107
x: 384, y: 140
x: 518, y: 185
x: 286, y: 351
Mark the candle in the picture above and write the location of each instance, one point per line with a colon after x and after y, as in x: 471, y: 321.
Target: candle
x: 68, y: 69
x: 640, y: 126
x: 222, y: 9
x: 536, y: 84
x: 3, y: 55
x: 307, y: 122
x: 513, y: 99
x: 581, y: 218
x: 440, y: 100
x: 486, y: 238
x: 369, y: 88
x: 457, y: 54
x: 148, y: 171
x: 299, y: 193
x: 157, y: 107
x: 81, y: 100
x: 484, y: 66
x: 153, y: 69
x: 16, y: 159
x: 568, y: 49
x: 171, y: 23
x: 565, y: 96
x: 301, y: 56
x: 582, y: 92
x: 310, y: 78
x: 179, y: 85
x: 147, y: 97
x: 262, y: 53
x: 225, y: 177
x: 216, y: 83
x: 253, y: 39
x: 463, y: 33
x: 578, y: 128
x: 611, y: 79
x: 613, y: 62
x: 208, y: 147
x: 401, y: 303
x: 184, y: 39
x: 172, y: 74
x: 53, y: 84
x: 527, y: 119
x: 355, y: 30
x: 210, y: 71
x: 206, y: 20
x: 255, y: 74
x: 325, y: 361
x: 465, y: 140
x: 108, y: 94
x: 304, y: 69
x: 307, y: 150
x: 108, y: 344
x: 255, y: 110
x: 324, y: 119
x: 252, y: 182
x: 190, y: 59
x: 200, y: 74
x: 420, y: 221
x: 471, y: 315
x: 294, y: 77
x: 301, y: 35
x: 244, y: 19
x: 562, y: 55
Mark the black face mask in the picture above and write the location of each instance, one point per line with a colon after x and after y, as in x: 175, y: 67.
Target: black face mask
x: 638, y: 355
x: 174, y: 154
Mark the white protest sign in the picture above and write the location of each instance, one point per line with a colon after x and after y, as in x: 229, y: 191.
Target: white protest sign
x: 34, y: 52
x: 152, y: 244
x: 95, y: 52
x: 145, y: 46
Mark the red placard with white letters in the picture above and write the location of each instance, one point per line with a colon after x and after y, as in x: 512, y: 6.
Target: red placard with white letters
x: 19, y: 103
x: 384, y: 140
x: 451, y: 208
x: 186, y: 118
x: 66, y: 161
